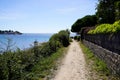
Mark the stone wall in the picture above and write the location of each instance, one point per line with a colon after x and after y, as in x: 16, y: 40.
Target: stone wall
x: 112, y: 59
x: 107, y: 41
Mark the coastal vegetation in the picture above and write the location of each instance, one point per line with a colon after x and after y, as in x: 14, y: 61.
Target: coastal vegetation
x: 106, y: 28
x: 34, y: 63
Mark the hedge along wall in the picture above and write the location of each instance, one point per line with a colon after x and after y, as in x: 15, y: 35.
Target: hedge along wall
x: 106, y: 47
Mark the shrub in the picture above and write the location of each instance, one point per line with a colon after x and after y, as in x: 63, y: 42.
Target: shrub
x: 106, y: 28
x: 116, y: 26
x: 45, y: 50
x: 55, y: 45
x: 77, y: 38
x: 62, y: 38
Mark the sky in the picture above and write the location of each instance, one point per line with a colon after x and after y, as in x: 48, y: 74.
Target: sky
x: 43, y: 16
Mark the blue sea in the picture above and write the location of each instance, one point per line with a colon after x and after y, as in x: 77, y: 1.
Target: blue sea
x: 23, y: 41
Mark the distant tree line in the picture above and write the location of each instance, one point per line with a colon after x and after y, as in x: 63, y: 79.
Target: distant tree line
x: 108, y: 11
x: 9, y: 32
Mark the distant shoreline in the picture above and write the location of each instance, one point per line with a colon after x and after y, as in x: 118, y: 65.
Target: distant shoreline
x: 10, y: 32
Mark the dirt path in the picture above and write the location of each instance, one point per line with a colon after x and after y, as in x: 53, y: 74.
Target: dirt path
x: 73, y: 66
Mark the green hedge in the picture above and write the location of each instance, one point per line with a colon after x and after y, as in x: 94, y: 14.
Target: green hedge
x: 106, y: 28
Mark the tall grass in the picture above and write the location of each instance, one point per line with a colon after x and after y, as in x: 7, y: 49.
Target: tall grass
x: 47, y: 65
x: 97, y: 68
x: 95, y: 64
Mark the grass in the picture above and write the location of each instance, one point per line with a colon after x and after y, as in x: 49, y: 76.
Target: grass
x: 47, y: 65
x: 97, y: 68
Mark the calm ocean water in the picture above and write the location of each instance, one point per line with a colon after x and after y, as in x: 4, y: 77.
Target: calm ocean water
x: 23, y: 41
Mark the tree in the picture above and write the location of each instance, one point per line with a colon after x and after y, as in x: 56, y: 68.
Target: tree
x: 106, y: 11
x: 86, y: 21
x: 117, y: 10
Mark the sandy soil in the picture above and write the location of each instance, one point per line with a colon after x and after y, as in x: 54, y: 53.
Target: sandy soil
x: 73, y: 66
